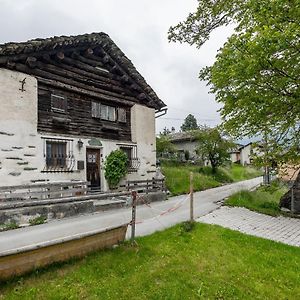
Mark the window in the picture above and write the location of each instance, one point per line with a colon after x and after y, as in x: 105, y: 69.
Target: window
x: 58, y: 103
x: 133, y: 162
x: 108, y: 113
x: 122, y: 115
x: 58, y: 155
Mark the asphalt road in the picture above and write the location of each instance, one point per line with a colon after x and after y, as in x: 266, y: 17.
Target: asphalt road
x: 159, y: 216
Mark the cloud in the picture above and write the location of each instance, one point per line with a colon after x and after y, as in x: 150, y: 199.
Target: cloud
x: 139, y: 28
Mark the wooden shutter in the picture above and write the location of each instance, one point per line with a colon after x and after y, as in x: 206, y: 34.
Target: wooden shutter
x: 122, y: 115
x: 59, y: 103
x: 96, y: 110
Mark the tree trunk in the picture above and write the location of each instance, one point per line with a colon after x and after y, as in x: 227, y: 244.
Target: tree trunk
x: 294, y: 193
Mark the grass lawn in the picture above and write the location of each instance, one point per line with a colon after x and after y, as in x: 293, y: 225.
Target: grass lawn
x: 177, y: 176
x: 264, y: 200
x: 208, y: 262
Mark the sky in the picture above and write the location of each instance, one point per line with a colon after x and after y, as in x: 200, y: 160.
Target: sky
x: 139, y: 28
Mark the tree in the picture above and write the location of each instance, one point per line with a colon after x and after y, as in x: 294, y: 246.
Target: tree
x: 166, y: 131
x: 213, y: 146
x: 190, y: 123
x: 164, y: 145
x: 256, y: 74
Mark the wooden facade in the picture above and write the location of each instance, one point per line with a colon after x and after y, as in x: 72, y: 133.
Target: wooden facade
x: 80, y: 70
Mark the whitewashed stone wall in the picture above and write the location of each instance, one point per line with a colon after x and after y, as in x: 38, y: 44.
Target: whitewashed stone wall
x: 143, y: 134
x: 18, y: 128
x: 22, y: 148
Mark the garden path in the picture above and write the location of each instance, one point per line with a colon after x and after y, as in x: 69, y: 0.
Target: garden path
x: 281, y: 229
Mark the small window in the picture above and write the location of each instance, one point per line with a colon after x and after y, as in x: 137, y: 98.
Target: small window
x: 133, y: 162
x: 103, y: 112
x: 108, y: 113
x: 58, y: 103
x: 56, y: 154
x: 122, y: 115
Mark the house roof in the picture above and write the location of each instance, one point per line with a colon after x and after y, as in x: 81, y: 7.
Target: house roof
x: 182, y: 136
x: 13, y: 52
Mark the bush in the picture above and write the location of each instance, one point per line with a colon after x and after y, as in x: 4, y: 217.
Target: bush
x: 115, y: 167
x: 37, y: 221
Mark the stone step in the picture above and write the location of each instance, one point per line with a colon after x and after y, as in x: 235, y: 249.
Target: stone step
x: 13, y: 204
x: 103, y: 205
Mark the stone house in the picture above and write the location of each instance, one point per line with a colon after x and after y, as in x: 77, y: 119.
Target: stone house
x: 65, y: 104
x: 185, y: 142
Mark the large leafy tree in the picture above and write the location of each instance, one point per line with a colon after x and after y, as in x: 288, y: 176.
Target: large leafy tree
x: 256, y: 74
x: 190, y: 123
x: 213, y: 146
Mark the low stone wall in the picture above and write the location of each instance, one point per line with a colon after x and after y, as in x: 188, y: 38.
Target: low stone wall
x: 19, y: 261
x: 152, y: 197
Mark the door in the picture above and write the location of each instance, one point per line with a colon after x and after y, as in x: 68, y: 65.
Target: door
x: 93, y: 167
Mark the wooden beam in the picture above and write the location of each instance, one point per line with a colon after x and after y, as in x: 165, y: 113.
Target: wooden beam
x: 84, y: 92
x: 31, y: 61
x: 71, y: 82
x: 106, y: 85
x: 83, y: 59
x: 84, y: 66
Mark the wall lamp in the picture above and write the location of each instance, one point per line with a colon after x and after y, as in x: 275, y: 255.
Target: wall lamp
x: 80, y: 144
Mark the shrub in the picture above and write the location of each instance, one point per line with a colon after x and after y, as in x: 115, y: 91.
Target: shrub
x: 37, y: 221
x: 115, y: 167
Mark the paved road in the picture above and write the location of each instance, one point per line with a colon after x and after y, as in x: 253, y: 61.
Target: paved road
x: 280, y: 229
x: 204, y: 202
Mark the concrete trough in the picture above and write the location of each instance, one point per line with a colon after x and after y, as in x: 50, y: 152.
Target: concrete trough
x: 18, y: 261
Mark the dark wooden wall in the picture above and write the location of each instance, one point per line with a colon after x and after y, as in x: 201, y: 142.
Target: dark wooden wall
x: 77, y: 120
x: 82, y: 74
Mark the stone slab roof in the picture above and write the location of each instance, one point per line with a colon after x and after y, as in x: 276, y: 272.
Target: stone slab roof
x: 14, y: 50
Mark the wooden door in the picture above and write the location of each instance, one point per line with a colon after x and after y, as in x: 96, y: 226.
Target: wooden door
x: 93, y: 167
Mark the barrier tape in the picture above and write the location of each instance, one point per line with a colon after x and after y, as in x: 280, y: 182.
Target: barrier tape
x: 162, y: 213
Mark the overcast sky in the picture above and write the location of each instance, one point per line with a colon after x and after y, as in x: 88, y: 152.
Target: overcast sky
x: 139, y: 28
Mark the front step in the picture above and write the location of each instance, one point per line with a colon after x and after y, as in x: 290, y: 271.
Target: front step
x: 103, y: 205
x: 21, y: 212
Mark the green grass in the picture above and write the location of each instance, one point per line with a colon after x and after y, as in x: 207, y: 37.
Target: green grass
x: 177, y: 176
x: 208, y: 262
x: 264, y: 200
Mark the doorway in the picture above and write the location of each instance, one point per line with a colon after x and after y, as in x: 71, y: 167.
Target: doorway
x: 93, y: 168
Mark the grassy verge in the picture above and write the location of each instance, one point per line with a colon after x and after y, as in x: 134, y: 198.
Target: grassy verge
x: 177, y: 176
x: 208, y: 262
x: 264, y: 200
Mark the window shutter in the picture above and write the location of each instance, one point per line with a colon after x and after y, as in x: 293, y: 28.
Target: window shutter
x: 58, y: 103
x: 96, y: 110
x: 122, y: 115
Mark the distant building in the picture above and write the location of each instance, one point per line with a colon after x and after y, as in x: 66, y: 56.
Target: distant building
x: 185, y: 142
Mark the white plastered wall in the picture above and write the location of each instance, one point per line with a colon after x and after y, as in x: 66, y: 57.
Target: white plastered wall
x: 22, y: 148
x: 18, y: 127
x: 143, y: 134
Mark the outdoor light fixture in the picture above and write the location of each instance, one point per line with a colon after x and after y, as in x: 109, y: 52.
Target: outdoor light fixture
x: 80, y: 144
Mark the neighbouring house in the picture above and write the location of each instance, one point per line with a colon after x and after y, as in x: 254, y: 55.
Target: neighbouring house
x: 235, y: 154
x: 185, y: 142
x: 66, y: 103
x: 243, y: 154
x: 246, y: 153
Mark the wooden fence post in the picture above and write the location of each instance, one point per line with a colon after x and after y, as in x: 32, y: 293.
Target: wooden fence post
x: 292, y: 200
x: 133, y: 194
x: 191, y: 198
